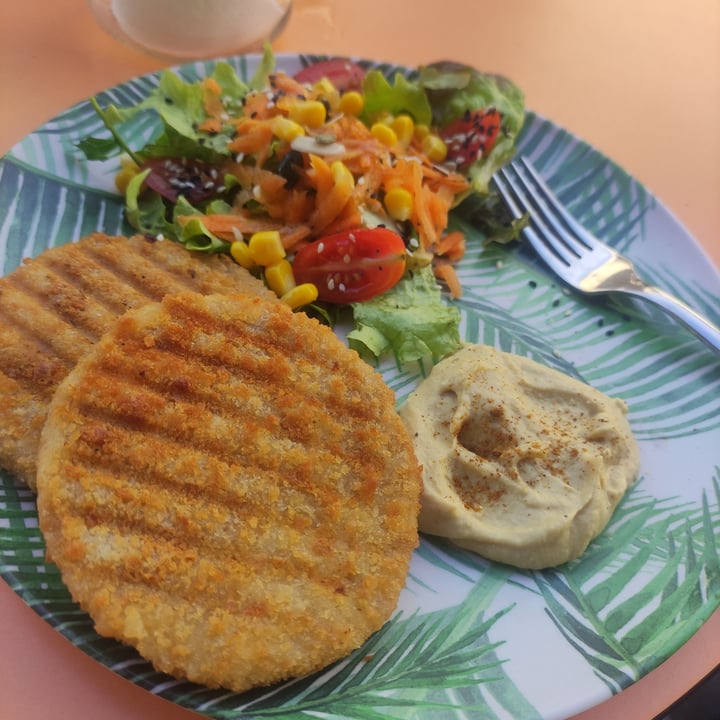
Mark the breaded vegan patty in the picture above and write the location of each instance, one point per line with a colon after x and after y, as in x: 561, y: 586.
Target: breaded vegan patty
x: 54, y: 307
x: 227, y: 487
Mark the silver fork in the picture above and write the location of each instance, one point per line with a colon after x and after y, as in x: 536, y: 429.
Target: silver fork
x: 578, y: 257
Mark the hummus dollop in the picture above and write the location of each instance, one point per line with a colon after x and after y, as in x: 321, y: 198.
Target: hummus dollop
x: 521, y: 463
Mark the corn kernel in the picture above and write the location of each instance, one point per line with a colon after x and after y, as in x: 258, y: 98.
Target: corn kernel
x: 240, y: 253
x: 128, y: 170
x: 123, y: 178
x: 421, y: 131
x: 383, y: 116
x: 266, y: 247
x: 310, y: 113
x: 404, y: 128
x: 301, y: 295
x: 286, y: 129
x: 351, y: 103
x: 434, y: 148
x: 384, y: 133
x: 325, y: 90
x: 398, y: 203
x: 279, y: 277
x: 342, y: 177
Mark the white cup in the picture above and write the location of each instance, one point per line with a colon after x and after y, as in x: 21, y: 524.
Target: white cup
x: 193, y: 29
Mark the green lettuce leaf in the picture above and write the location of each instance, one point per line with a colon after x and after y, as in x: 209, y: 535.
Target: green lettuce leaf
x: 453, y: 88
x: 180, y: 108
x: 411, y: 320
x: 402, y: 96
x: 145, y: 210
x: 267, y: 64
x: 488, y: 213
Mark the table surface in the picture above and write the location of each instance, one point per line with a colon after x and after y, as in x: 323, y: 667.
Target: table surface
x: 640, y: 81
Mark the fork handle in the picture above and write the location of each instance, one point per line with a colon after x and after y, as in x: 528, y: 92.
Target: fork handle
x: 704, y: 329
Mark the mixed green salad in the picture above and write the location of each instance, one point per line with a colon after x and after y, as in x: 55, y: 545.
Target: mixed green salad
x: 335, y: 184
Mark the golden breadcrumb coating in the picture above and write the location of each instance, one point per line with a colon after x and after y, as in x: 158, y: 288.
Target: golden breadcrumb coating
x: 54, y: 307
x: 228, y: 488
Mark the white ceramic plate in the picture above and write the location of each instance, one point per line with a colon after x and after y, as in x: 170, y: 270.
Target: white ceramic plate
x: 470, y: 638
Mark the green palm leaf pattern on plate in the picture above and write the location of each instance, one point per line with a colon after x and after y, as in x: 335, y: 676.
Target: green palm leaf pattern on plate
x: 469, y: 638
x: 654, y: 570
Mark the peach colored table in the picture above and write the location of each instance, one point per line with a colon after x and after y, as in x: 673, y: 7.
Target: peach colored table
x: 639, y: 80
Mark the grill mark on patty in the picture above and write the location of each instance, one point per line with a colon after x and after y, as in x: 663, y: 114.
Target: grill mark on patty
x: 183, y: 574
x: 147, y: 276
x: 49, y: 314
x: 243, y: 544
x: 208, y: 424
x: 86, y: 288
x: 272, y: 359
x: 104, y: 291
x: 53, y: 308
x: 178, y: 372
x: 160, y: 533
x: 210, y: 523
x: 26, y: 358
x: 37, y: 326
x: 102, y: 434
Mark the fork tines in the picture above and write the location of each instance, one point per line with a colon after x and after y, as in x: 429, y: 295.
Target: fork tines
x: 554, y: 233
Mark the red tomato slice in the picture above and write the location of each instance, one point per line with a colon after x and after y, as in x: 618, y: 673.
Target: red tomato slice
x: 342, y: 73
x: 353, y: 265
x: 195, y: 179
x: 470, y: 137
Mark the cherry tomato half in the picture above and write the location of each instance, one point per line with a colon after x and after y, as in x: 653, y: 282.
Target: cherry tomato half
x: 471, y: 136
x: 343, y: 74
x: 171, y: 177
x: 353, y: 265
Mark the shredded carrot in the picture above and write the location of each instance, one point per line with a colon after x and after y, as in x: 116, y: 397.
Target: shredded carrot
x: 287, y: 84
x: 211, y: 98
x: 451, y: 246
x: 446, y: 273
x: 331, y: 197
x: 227, y: 227
x: 253, y: 137
x: 211, y: 125
x: 317, y: 196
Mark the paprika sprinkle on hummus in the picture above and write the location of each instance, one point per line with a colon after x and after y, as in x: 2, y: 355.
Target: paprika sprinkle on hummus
x: 521, y: 463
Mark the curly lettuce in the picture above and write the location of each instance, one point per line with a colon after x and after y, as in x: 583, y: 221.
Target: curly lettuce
x: 452, y: 89
x: 411, y: 320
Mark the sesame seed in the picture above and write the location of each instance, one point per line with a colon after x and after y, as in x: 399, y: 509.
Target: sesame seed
x: 341, y: 287
x: 331, y: 283
x: 320, y: 247
x: 346, y: 259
